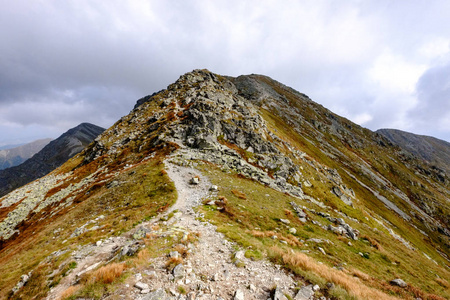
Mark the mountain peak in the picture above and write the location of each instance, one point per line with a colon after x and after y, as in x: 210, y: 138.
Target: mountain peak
x: 51, y: 156
x: 282, y: 177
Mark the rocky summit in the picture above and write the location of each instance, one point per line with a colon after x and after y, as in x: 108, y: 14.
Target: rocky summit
x: 230, y: 188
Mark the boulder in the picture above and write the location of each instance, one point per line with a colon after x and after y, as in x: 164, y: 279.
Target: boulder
x: 399, y: 282
x: 305, y: 293
x: 140, y: 285
x: 194, y: 180
x: 279, y: 295
x: 159, y: 294
x: 178, y: 272
x: 239, y: 295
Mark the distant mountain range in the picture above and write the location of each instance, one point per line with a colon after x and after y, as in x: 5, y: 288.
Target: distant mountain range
x: 434, y: 151
x: 14, y: 156
x: 49, y: 158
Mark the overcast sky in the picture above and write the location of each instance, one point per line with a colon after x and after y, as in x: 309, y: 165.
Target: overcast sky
x: 381, y: 64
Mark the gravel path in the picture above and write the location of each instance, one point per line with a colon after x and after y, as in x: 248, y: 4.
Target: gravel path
x: 209, y: 269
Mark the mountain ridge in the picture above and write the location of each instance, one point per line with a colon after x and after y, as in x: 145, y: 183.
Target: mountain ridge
x: 49, y: 157
x: 336, y: 205
x: 434, y: 151
x: 14, y: 156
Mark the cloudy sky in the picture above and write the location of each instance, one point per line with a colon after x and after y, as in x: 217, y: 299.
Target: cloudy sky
x: 381, y: 64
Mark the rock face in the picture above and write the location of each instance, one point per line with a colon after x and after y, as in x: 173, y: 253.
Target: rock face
x: 12, y: 157
x: 49, y: 158
x: 435, y: 151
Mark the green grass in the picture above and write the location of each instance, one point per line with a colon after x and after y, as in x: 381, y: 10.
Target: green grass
x: 263, y: 208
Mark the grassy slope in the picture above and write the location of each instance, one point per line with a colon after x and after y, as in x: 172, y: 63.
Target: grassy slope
x: 254, y: 220
x: 142, y: 192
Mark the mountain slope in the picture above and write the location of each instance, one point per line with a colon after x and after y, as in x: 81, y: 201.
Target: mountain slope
x: 12, y: 157
x: 434, y: 151
x: 282, y: 177
x: 50, y: 157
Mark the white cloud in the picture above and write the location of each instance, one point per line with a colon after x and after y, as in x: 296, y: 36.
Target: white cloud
x: 361, y: 59
x: 394, y: 74
x: 435, y: 49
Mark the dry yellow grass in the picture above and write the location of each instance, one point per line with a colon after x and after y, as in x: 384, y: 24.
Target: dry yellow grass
x: 142, y: 257
x: 443, y: 282
x: 108, y: 273
x: 182, y: 249
x: 172, y: 262
x: 373, y: 242
x: 239, y: 194
x: 360, y: 274
x: 70, y: 291
x: 352, y: 285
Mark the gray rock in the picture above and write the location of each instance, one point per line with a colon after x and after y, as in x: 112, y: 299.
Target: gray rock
x: 159, y: 294
x: 178, y: 272
x: 314, y: 240
x: 292, y: 230
x: 190, y: 296
x: 140, y: 233
x: 239, y: 254
x: 140, y: 285
x: 305, y: 293
x: 174, y: 254
x: 337, y: 191
x: 194, y: 180
x: 239, y: 295
x: 279, y: 295
x: 399, y: 282
x: 285, y: 221
x: 23, y: 280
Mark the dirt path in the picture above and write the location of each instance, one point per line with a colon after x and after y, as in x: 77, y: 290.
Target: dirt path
x: 209, y: 269
x: 211, y: 258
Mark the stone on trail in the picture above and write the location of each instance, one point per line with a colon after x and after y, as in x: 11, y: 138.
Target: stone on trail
x: 305, y: 293
x: 239, y: 295
x: 159, y: 294
x: 141, y: 285
x: 278, y: 294
x: 178, y: 272
x: 194, y: 180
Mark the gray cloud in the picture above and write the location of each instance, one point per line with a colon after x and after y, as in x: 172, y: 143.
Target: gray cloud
x: 432, y: 112
x: 66, y: 62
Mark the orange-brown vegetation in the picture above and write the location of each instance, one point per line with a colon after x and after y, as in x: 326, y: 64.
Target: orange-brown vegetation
x: 107, y: 274
x: 70, y: 291
x: 182, y: 249
x: 172, y: 262
x: 224, y: 207
x: 352, y: 285
x: 372, y: 242
x: 239, y: 194
x: 192, y: 237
